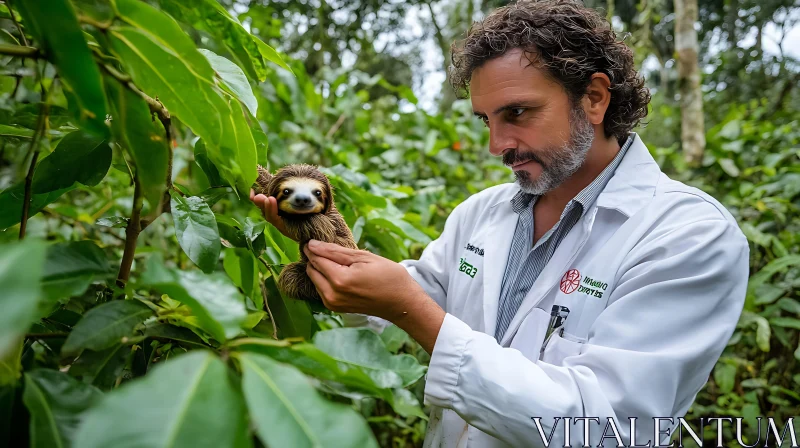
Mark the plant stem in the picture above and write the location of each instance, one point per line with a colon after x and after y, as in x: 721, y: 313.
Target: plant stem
x: 20, y: 51
x: 269, y: 311
x: 26, y: 204
x: 41, y: 125
x: 131, y: 235
x: 14, y: 19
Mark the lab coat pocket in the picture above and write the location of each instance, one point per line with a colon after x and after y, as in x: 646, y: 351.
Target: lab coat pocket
x: 560, y: 347
x: 530, y: 336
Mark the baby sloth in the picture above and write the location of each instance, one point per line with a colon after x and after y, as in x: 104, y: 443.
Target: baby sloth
x: 305, y: 203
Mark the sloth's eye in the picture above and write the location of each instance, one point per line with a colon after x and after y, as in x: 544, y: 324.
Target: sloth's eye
x: 286, y: 191
x: 317, y: 192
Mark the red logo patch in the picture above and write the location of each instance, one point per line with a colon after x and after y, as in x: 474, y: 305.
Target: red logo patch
x: 570, y: 281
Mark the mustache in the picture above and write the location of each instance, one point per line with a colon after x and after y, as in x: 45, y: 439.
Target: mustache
x: 516, y: 156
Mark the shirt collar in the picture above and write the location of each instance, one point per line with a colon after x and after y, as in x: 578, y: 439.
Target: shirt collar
x: 523, y: 201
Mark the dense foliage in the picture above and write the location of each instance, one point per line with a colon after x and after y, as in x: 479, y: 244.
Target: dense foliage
x: 143, y: 295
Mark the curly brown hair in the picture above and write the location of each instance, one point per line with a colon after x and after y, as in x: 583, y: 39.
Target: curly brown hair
x: 571, y: 42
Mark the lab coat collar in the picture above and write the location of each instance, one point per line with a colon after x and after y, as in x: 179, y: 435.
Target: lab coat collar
x: 634, y: 182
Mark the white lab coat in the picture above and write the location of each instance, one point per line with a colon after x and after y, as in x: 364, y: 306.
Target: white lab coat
x: 667, y: 270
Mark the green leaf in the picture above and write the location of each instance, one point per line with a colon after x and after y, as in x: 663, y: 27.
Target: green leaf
x: 725, y: 377
x: 79, y: 157
x: 279, y: 396
x: 789, y: 305
x: 197, y: 406
x: 11, y: 203
x: 70, y: 268
x: 729, y: 166
x: 15, y: 131
x: 21, y: 267
x: 210, y: 16
x: 55, y: 26
x: 100, y: 368
x: 193, y: 98
x: 233, y: 77
x: 763, y: 330
x: 363, y: 348
x: 269, y: 53
x: 56, y: 403
x: 205, y: 164
x: 292, y: 317
x: 106, y: 325
x: 113, y: 221
x: 177, y: 334
x: 394, y: 338
x: 196, y: 230
x: 406, y: 404
x: 215, y: 301
x: 164, y: 30
x: 144, y: 138
x: 241, y: 266
x: 786, y: 322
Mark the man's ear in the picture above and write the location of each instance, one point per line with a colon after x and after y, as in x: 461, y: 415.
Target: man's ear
x: 598, y: 96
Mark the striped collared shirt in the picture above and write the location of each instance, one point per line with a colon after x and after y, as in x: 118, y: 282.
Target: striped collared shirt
x: 525, y: 263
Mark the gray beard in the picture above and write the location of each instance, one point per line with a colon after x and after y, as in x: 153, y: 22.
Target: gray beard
x: 562, y: 162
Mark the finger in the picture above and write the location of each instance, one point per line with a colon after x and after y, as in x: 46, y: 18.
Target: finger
x: 324, y: 287
x: 330, y: 269
x: 341, y: 255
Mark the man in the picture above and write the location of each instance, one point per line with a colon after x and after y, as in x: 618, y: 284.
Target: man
x: 646, y: 277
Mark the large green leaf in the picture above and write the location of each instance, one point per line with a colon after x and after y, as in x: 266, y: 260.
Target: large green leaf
x: 213, y: 299
x: 20, y: 282
x: 56, y: 403
x: 55, y: 26
x: 287, y: 411
x: 196, y: 230
x: 106, y: 325
x: 210, y: 16
x: 188, y: 401
x: 15, y: 131
x: 292, y: 317
x: 363, y: 348
x: 79, y: 157
x: 194, y: 99
x: 70, y: 268
x: 342, y: 378
x: 144, y: 138
x: 242, y: 267
x: 166, y: 31
x: 234, y: 78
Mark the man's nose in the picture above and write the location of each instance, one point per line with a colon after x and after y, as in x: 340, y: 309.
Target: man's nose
x: 302, y: 200
x: 500, y: 142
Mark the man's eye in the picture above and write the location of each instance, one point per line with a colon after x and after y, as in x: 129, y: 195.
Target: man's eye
x: 517, y: 111
x: 485, y: 121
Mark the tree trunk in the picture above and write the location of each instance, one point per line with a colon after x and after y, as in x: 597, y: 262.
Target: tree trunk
x: 693, y: 140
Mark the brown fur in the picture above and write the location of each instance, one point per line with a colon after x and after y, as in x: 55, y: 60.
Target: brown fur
x: 327, y: 226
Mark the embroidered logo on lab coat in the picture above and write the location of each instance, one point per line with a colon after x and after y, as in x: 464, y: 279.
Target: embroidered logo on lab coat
x: 570, y: 281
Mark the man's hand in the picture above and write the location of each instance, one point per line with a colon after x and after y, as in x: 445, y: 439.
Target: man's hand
x: 269, y: 208
x: 356, y: 281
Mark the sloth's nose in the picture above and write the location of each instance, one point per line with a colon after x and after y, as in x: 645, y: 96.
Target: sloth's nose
x: 302, y: 200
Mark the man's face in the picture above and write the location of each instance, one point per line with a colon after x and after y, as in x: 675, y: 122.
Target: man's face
x: 532, y: 123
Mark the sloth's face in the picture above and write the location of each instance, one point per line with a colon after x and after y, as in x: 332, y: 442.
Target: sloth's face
x: 301, y: 196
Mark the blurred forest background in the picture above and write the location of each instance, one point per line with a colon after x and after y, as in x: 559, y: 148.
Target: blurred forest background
x: 368, y: 98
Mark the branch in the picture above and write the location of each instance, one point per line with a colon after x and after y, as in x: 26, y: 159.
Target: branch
x: 20, y: 51
x: 14, y: 19
x: 90, y: 21
x: 269, y: 311
x: 132, y: 232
